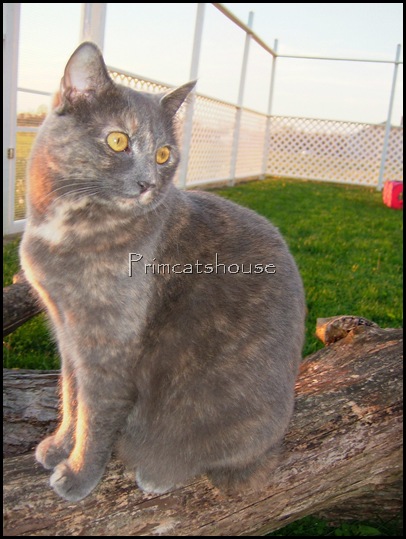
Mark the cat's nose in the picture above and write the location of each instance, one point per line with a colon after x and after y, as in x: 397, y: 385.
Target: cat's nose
x: 144, y: 186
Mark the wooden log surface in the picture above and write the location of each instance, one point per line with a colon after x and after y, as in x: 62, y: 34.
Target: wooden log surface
x: 30, y: 408
x: 20, y: 303
x: 342, y: 452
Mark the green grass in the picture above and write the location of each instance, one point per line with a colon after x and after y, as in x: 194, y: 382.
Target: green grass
x: 10, y: 261
x: 316, y: 527
x: 30, y: 346
x: 347, y: 243
x: 348, y: 246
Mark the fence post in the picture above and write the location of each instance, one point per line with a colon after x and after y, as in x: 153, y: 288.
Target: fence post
x: 388, y: 120
x: 188, y: 122
x: 237, y: 125
x: 93, y: 23
x: 11, y: 32
x: 267, y: 138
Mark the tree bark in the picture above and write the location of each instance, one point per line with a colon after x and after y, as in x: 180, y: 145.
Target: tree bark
x: 342, y: 455
x: 20, y: 303
x: 30, y: 408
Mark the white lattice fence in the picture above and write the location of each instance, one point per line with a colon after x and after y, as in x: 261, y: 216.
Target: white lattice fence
x: 220, y: 142
x: 304, y: 148
x: 333, y: 151
x: 251, y: 144
x: 135, y: 82
x: 212, y: 134
x: 394, y: 161
x: 212, y: 141
x: 211, y: 146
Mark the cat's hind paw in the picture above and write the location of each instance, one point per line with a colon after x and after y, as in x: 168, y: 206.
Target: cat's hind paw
x: 150, y: 485
x: 49, y: 453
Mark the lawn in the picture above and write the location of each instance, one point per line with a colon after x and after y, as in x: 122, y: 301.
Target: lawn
x: 348, y: 247
x: 316, y: 527
x: 347, y: 243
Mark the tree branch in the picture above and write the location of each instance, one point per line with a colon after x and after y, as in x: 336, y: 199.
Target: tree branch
x: 20, y: 303
x: 342, y: 453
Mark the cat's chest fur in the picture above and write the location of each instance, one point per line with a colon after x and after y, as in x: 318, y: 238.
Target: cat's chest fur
x: 78, y: 261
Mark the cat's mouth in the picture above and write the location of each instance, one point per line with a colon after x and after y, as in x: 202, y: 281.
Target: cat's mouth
x: 144, y: 193
x: 147, y: 195
x: 144, y: 197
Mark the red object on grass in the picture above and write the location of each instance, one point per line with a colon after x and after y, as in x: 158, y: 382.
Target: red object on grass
x: 393, y: 194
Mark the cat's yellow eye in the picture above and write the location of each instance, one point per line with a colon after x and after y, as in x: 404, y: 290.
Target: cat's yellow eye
x: 162, y: 155
x: 117, y: 141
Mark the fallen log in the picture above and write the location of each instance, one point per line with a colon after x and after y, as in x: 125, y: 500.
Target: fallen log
x: 342, y: 453
x: 30, y: 408
x: 20, y: 303
x: 335, y: 328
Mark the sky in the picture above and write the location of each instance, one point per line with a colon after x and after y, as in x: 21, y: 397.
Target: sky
x: 156, y: 41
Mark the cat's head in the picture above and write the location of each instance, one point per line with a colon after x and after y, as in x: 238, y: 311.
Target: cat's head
x: 104, y: 142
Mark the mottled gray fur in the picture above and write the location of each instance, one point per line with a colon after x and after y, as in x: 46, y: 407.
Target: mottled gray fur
x: 182, y: 373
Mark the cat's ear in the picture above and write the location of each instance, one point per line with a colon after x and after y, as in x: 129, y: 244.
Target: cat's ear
x: 85, y: 73
x: 172, y: 100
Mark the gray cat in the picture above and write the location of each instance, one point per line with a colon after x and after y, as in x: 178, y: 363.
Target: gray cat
x: 179, y: 316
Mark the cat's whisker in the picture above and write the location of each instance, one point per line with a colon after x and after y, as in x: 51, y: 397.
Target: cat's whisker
x: 50, y: 198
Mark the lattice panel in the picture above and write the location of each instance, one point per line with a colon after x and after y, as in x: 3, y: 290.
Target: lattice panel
x: 394, y: 161
x: 212, y: 133
x: 304, y: 148
x: 143, y: 85
x: 137, y: 83
x: 251, y: 144
x: 27, y: 126
x: 212, y: 140
x: 329, y: 150
x: 23, y: 149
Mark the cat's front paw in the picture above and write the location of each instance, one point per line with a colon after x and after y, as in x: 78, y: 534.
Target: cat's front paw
x: 71, y: 485
x: 50, y: 453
